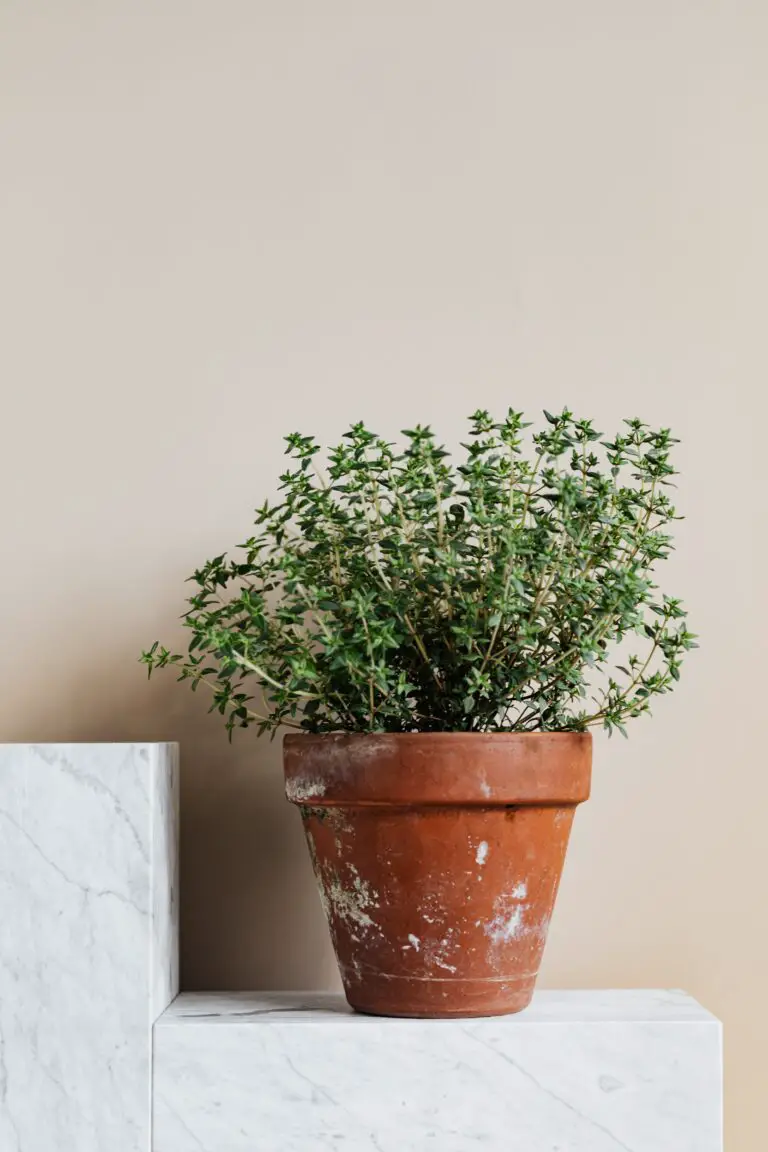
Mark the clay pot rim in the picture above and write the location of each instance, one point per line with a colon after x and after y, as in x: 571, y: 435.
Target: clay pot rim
x: 438, y: 768
x: 292, y: 737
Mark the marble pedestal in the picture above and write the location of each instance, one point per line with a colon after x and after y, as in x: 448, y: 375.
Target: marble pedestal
x: 89, y: 959
x: 88, y: 940
x: 576, y: 1072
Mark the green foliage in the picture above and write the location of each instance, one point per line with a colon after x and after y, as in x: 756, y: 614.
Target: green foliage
x: 393, y: 591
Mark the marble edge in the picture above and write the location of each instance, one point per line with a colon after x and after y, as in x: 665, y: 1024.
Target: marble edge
x: 326, y: 1008
x: 163, y: 758
x: 89, y: 744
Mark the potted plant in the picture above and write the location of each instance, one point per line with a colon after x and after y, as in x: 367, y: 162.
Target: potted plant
x: 442, y: 639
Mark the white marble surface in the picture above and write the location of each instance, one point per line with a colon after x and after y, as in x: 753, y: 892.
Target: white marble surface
x: 576, y: 1072
x: 88, y: 943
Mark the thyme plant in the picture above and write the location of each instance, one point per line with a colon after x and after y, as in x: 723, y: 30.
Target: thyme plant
x: 393, y: 590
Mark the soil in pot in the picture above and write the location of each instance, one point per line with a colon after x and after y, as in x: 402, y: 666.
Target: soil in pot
x: 438, y: 857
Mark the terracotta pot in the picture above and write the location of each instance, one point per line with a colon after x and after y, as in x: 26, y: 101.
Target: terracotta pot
x: 438, y: 857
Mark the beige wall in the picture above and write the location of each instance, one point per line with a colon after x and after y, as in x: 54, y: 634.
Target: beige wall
x: 222, y: 221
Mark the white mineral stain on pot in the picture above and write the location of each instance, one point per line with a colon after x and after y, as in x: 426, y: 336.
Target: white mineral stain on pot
x: 350, y: 901
x: 508, y: 924
x: 337, y: 757
x: 413, y: 942
x: 355, y: 970
x: 437, y: 952
x: 303, y: 789
x: 505, y: 926
x: 541, y: 929
x: 337, y: 821
x: 321, y: 883
x: 482, y: 852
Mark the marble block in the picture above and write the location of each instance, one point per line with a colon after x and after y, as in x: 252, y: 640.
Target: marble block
x: 88, y: 940
x: 575, y: 1072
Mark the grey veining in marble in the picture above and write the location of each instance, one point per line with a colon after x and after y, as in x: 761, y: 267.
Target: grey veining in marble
x: 577, y: 1072
x: 88, y: 943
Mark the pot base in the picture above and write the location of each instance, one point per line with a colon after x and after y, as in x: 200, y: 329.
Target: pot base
x: 450, y: 999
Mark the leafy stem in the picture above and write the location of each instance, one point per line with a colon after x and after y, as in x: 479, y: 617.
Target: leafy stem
x: 391, y: 588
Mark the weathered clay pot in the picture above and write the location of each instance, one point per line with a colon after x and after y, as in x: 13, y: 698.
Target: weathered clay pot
x: 438, y: 857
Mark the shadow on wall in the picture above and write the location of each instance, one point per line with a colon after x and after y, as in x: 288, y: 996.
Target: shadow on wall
x: 250, y: 915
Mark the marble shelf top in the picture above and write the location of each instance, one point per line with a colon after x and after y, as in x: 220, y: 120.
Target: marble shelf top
x: 548, y: 1007
x: 593, y: 1071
